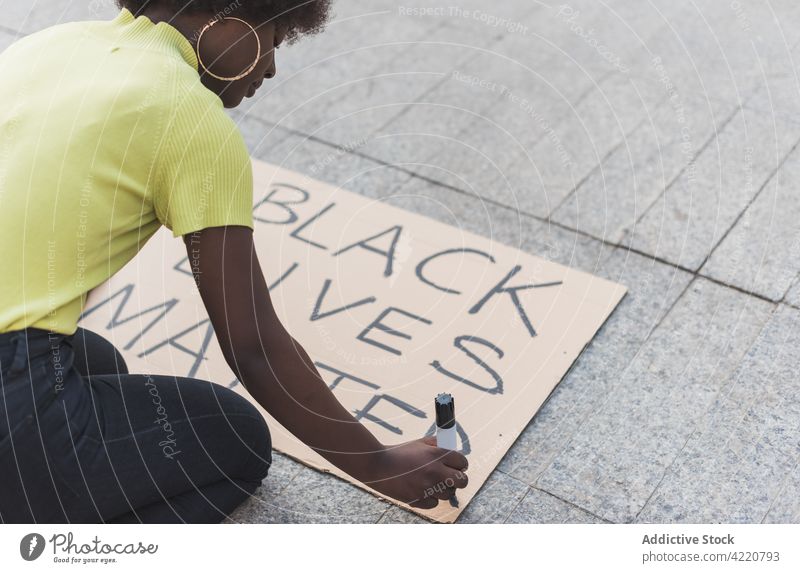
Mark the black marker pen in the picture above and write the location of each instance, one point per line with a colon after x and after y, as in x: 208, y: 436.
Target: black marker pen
x: 446, y: 434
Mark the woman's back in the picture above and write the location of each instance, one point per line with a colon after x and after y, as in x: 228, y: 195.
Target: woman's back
x: 105, y: 134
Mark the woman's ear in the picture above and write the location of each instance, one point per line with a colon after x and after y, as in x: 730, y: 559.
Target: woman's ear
x: 228, y: 48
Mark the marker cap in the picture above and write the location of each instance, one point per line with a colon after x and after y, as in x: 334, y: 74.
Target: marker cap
x: 445, y: 411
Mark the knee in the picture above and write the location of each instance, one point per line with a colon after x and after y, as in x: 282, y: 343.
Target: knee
x: 250, y: 439
x: 264, y: 461
x: 253, y: 435
x: 259, y: 442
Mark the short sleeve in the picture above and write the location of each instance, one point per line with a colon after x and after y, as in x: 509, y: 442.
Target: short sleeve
x: 205, y: 176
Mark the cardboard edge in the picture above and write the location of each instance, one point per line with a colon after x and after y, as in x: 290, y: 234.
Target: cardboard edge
x: 449, y: 516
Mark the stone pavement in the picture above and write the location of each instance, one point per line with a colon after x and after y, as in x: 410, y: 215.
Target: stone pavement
x: 653, y: 143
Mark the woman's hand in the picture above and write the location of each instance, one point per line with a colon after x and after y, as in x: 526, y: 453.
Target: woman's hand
x: 282, y: 377
x: 418, y: 473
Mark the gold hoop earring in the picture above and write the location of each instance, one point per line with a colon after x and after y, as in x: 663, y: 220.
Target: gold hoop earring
x: 243, y: 74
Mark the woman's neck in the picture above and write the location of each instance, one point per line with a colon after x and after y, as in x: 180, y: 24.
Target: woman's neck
x: 188, y: 24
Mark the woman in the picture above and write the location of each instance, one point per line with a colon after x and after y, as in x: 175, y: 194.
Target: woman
x: 109, y: 130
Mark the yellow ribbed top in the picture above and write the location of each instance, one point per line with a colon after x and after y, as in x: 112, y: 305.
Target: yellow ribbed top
x: 106, y: 133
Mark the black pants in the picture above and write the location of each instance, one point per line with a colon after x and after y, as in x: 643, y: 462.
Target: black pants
x: 82, y: 440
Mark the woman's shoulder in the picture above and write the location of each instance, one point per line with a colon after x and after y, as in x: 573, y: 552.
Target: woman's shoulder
x: 189, y: 95
x: 194, y: 117
x: 45, y: 37
x: 194, y: 104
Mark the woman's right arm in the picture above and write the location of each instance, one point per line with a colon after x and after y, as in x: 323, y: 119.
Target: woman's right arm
x: 281, y: 377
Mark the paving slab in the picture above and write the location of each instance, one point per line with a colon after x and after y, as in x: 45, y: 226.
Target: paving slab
x: 331, y: 164
x: 281, y: 473
x: 541, y: 507
x: 478, y: 119
x: 403, y: 73
x: 382, y: 182
x: 693, y: 215
x: 495, y: 501
x: 467, y: 213
x: 340, y: 106
x: 786, y: 507
x: 430, y: 126
x: 350, y: 29
x: 316, y: 497
x: 769, y: 27
x: 719, y: 49
x: 397, y: 515
x: 779, y: 92
x: 6, y: 39
x: 260, y: 508
x: 619, y: 455
x: 320, y: 73
x: 555, y: 165
x: 761, y: 253
x: 16, y: 14
x: 598, y: 37
x: 793, y: 296
x: 636, y: 173
x: 28, y: 17
x: 368, y: 105
x: 260, y: 136
x: 530, y: 84
x: 653, y: 288
x: 740, y: 463
x: 467, y: 12
x: 510, y: 227
x: 527, y: 155
x: 526, y: 63
x: 472, y: 23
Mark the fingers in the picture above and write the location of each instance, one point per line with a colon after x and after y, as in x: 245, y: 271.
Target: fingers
x: 444, y: 483
x: 451, y: 458
x: 458, y: 479
x: 430, y: 440
x: 425, y: 503
x: 443, y: 490
x: 443, y: 494
x: 455, y: 460
x: 443, y: 474
x: 452, y: 479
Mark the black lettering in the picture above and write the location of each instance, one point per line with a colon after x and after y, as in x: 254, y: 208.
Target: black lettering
x: 284, y: 276
x: 512, y: 292
x: 405, y: 406
x: 388, y: 254
x: 424, y: 262
x: 199, y: 354
x: 459, y: 343
x: 126, y: 293
x: 296, y: 232
x: 291, y: 216
x: 180, y: 267
x: 344, y: 376
x: 377, y: 324
x: 316, y: 314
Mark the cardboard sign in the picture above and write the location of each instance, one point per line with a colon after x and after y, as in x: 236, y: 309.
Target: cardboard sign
x: 393, y: 307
